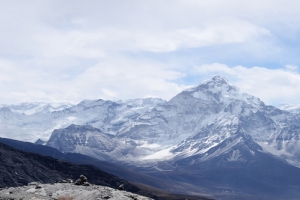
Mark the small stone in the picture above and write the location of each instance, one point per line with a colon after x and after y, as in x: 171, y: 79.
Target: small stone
x: 69, y: 180
x: 38, y: 187
x: 86, y: 184
x: 33, y: 183
x: 78, y: 182
x: 121, y: 187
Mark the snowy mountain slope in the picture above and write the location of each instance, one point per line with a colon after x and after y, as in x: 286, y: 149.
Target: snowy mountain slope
x: 89, y: 141
x: 201, y: 117
x: 193, y: 122
x: 25, y: 127
x: 181, y: 117
x: 110, y: 117
x: 275, y: 130
x: 236, y: 168
x: 148, y: 130
x: 29, y: 121
x: 106, y: 115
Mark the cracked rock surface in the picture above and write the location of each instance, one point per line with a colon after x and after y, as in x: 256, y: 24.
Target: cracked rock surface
x: 66, y: 191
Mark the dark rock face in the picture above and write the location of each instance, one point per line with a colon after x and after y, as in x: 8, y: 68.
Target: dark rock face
x: 131, y: 175
x: 20, y: 168
x: 33, y: 148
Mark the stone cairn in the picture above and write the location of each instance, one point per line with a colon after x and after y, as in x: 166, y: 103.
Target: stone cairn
x: 82, y: 181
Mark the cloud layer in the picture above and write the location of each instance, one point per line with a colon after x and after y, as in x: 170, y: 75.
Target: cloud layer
x: 74, y: 50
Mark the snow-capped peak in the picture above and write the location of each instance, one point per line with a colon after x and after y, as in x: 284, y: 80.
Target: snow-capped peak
x: 216, y: 89
x: 215, y: 85
x: 218, y: 78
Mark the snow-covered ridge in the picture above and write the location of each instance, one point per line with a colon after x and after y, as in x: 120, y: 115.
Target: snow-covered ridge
x: 29, y: 108
x: 290, y: 108
x: 192, y: 123
x: 32, y: 121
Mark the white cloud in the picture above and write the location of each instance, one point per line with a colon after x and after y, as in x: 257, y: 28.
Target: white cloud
x: 217, y: 32
x: 88, y: 29
x: 72, y: 50
x: 111, y: 79
x: 273, y: 86
x: 116, y: 79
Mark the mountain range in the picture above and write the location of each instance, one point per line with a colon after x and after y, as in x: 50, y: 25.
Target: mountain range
x: 211, y: 135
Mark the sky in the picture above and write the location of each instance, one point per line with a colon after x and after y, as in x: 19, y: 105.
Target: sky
x: 57, y: 51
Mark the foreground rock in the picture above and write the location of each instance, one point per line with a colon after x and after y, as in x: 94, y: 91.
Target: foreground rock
x: 82, y: 181
x: 66, y: 191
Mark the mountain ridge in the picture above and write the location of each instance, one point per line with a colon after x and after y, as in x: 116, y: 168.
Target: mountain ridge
x: 202, y: 128
x: 147, y: 130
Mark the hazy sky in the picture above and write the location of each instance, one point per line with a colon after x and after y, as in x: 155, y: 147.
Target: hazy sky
x: 73, y: 50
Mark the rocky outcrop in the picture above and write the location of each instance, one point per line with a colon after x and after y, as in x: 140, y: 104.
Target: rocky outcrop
x: 82, y: 181
x: 67, y: 191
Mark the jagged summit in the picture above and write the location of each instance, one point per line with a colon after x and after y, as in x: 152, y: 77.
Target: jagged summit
x: 218, y: 79
x: 216, y: 90
x: 215, y: 85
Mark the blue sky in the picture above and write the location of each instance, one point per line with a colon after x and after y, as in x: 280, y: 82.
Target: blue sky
x: 55, y: 50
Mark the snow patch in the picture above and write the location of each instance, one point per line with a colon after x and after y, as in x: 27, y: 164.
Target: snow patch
x: 160, y: 155
x: 234, y: 156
